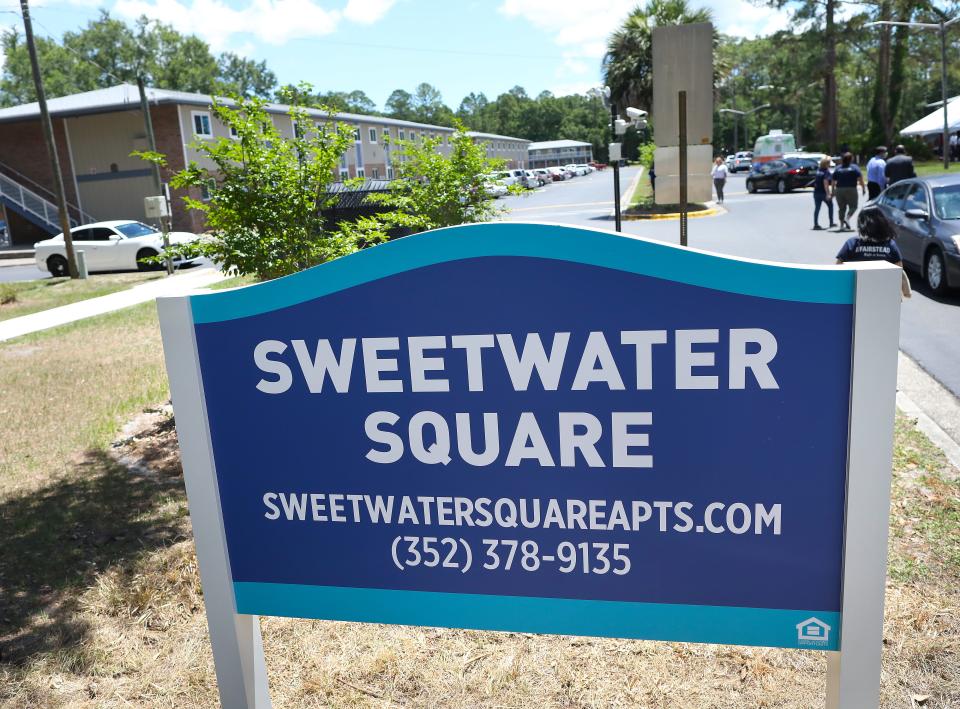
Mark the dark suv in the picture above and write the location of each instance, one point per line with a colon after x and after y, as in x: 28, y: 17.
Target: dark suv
x: 782, y: 175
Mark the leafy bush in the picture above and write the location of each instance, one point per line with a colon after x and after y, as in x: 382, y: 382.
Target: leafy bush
x: 433, y: 190
x: 267, y: 190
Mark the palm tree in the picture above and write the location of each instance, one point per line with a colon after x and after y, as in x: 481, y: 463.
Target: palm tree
x: 628, y: 63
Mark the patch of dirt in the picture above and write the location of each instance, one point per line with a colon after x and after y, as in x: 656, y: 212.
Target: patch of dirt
x: 664, y: 209
x: 148, y: 444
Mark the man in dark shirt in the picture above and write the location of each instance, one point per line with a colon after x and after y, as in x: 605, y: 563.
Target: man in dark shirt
x: 900, y: 166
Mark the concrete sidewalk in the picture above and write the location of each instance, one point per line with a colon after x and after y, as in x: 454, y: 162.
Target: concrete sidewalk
x: 180, y: 284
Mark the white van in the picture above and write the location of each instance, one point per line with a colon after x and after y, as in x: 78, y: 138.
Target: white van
x: 773, y: 146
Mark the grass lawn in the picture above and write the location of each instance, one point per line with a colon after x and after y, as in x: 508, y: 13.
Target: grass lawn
x: 27, y: 297
x: 934, y: 167
x: 234, y: 282
x: 100, y: 601
x: 642, y: 193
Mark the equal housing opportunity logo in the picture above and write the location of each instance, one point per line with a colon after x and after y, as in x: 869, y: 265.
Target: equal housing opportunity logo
x: 814, y: 632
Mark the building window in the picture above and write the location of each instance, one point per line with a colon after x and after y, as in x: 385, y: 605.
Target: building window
x: 361, y: 172
x: 389, y: 172
x: 344, y: 173
x: 375, y: 173
x: 401, y: 134
x: 206, y: 189
x: 233, y: 132
x: 373, y: 135
x: 201, y: 124
x: 356, y: 134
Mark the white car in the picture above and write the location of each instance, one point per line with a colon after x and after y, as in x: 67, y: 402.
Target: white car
x: 577, y: 169
x: 494, y: 189
x: 563, y: 173
x: 108, y: 246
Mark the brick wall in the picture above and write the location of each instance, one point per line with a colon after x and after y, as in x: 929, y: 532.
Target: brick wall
x: 23, y: 149
x: 166, y: 130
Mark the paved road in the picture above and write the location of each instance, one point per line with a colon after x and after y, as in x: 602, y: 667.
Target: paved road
x: 766, y: 226
x: 20, y: 272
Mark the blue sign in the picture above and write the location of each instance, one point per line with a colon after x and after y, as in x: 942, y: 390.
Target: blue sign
x: 537, y: 428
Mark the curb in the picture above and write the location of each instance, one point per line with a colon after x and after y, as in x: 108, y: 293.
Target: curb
x: 930, y: 428
x: 16, y: 253
x: 712, y: 212
x: 934, y: 407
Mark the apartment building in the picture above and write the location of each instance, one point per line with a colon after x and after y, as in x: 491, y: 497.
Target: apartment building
x: 559, y: 152
x: 97, y: 130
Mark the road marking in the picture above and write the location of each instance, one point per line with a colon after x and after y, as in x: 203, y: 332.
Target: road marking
x: 609, y: 202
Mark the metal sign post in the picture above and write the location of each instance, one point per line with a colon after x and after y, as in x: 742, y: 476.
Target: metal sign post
x: 682, y: 118
x: 454, y: 461
x: 683, y: 62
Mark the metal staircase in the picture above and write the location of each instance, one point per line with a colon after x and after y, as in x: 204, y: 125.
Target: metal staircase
x: 34, y: 206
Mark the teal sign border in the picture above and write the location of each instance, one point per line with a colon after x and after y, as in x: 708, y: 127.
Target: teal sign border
x: 766, y: 627
x: 800, y: 284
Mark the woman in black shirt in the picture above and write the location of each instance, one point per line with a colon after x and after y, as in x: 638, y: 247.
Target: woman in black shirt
x: 876, y: 240
x: 845, y: 181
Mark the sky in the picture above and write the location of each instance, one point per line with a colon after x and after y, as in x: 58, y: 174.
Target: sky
x: 377, y: 46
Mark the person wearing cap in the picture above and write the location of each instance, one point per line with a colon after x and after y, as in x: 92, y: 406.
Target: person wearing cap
x: 876, y: 172
x: 900, y: 166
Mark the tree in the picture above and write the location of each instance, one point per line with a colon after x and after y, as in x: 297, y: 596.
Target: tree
x: 16, y: 84
x: 471, y: 111
x: 428, y: 106
x: 246, y: 77
x: 628, y: 63
x: 347, y: 102
x: 108, y: 51
x: 267, y: 191
x: 400, y: 105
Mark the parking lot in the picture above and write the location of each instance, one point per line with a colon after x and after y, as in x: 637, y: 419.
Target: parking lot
x: 766, y: 226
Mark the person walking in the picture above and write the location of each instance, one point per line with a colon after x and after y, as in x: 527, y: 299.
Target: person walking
x: 900, y: 166
x: 719, y: 175
x: 846, y: 179
x: 876, y: 172
x: 822, y: 193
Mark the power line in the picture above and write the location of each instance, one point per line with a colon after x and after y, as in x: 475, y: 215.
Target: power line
x: 429, y: 50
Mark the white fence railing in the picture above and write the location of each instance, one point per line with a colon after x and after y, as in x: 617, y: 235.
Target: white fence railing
x: 29, y: 201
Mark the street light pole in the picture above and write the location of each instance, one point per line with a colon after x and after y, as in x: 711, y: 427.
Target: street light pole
x: 943, y: 91
x: 940, y: 27
x: 745, y: 115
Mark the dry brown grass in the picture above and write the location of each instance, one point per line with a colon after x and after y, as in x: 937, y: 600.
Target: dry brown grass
x: 101, y: 606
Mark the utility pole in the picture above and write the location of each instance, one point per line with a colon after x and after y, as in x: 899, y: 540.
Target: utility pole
x: 157, y: 183
x: 51, y: 144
